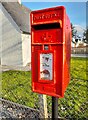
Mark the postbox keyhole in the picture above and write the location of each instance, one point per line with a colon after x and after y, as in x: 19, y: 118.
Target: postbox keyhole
x: 46, y: 47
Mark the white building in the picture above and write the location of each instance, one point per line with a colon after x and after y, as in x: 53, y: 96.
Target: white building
x: 15, y: 43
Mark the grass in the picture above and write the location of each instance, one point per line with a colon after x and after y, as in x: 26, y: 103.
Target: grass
x: 16, y: 86
x: 79, y: 68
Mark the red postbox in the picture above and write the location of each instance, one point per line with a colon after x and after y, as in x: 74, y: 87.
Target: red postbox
x: 51, y: 50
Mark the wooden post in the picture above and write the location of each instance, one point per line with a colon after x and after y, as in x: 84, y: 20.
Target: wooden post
x: 43, y: 106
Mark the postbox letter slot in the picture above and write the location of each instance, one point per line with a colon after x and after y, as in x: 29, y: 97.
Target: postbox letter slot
x: 47, y: 26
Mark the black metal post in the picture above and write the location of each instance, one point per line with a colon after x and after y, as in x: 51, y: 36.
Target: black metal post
x: 54, y: 108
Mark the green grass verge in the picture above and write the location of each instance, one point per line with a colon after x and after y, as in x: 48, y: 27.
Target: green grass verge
x: 16, y: 86
x: 79, y: 68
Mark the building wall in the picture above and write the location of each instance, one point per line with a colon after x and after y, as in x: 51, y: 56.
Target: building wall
x: 11, y: 40
x: 0, y: 33
x: 26, y: 49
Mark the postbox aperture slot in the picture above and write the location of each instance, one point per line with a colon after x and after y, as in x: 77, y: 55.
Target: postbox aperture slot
x: 46, y: 26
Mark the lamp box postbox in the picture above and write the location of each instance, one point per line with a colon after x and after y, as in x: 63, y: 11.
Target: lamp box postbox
x: 51, y: 50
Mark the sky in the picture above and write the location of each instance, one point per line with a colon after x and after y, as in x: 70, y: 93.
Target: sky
x: 75, y: 10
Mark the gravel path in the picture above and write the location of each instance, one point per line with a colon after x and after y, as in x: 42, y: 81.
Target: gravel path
x: 14, y: 111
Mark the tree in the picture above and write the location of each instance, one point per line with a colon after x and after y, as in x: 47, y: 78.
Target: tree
x: 74, y: 31
x: 85, y: 36
x: 74, y: 34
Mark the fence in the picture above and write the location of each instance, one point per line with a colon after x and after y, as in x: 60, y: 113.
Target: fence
x: 16, y: 87
x: 79, y: 50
